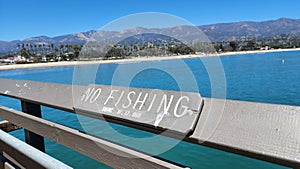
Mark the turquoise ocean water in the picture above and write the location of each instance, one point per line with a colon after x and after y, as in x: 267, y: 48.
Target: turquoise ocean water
x: 269, y: 78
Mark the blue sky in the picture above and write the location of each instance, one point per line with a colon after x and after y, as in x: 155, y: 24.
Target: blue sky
x: 22, y: 19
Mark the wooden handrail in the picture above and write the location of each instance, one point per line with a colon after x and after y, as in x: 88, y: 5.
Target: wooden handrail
x: 101, y: 150
x: 267, y: 132
x: 24, y: 156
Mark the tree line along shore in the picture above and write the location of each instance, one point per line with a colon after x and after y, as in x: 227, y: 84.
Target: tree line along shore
x: 42, y: 52
x: 141, y: 59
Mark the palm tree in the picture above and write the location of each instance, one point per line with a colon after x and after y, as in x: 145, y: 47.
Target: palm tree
x: 31, y: 48
x: 19, y: 45
x: 26, y: 45
x: 61, y: 47
x: 56, y: 51
x: 77, y: 49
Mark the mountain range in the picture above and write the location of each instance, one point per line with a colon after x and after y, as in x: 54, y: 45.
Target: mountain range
x: 215, y: 32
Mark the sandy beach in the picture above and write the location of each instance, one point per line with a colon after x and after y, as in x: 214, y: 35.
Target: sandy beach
x: 257, y: 51
x: 73, y: 63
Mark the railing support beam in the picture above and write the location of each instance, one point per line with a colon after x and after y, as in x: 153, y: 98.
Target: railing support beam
x: 31, y: 138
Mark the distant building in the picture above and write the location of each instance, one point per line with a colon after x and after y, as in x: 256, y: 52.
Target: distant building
x: 264, y: 48
x: 44, y: 59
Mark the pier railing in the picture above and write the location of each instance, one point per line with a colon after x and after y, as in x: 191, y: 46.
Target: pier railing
x: 266, y: 132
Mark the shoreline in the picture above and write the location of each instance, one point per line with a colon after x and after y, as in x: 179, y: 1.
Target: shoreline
x: 258, y: 51
x: 74, y: 63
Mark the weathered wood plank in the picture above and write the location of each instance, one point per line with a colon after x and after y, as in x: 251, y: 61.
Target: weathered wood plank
x: 8, y: 127
x: 5, y: 164
x: 25, y: 156
x: 48, y: 94
x: 61, y: 96
x: 8, y: 166
x: 101, y: 150
x: 159, y: 109
x: 264, y: 131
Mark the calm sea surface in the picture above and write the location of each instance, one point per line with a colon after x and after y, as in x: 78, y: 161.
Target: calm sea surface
x: 270, y: 78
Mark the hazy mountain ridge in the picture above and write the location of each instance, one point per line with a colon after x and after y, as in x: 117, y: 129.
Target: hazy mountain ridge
x: 215, y: 32
x: 231, y: 31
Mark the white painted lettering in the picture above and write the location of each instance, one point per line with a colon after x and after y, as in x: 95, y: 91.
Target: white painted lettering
x: 127, y: 113
x: 119, y: 111
x: 166, y: 105
x: 95, y: 95
x: 142, y: 102
x: 107, y: 109
x: 185, y: 108
x: 120, y: 97
x: 85, y: 97
x: 136, y: 115
x: 151, y: 104
x: 129, y: 100
x: 110, y: 96
x: 159, y: 118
